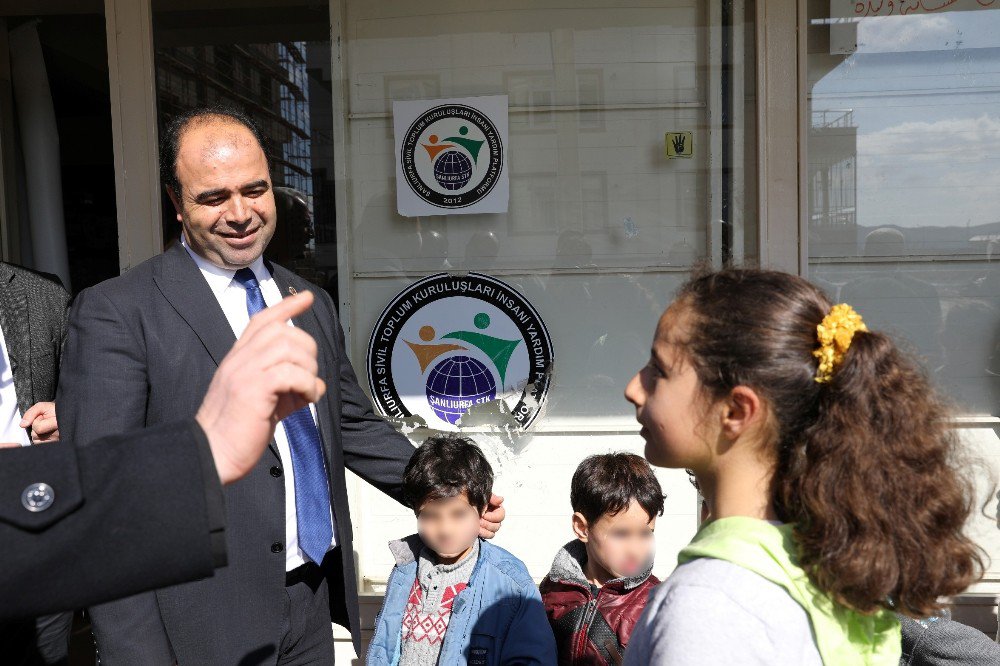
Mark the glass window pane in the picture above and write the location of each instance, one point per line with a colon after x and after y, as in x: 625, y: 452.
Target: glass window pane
x: 274, y: 63
x: 904, y: 155
x: 77, y: 238
x: 602, y: 225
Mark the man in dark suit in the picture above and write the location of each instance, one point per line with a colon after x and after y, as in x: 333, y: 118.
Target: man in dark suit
x: 32, y: 330
x: 141, y: 350
x: 145, y: 509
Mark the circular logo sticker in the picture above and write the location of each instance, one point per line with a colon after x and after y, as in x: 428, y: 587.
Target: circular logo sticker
x: 452, y: 156
x: 451, y: 342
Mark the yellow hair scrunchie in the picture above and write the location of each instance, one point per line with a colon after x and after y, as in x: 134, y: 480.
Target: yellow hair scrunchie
x: 835, y: 334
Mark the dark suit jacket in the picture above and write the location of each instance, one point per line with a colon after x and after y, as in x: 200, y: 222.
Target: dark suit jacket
x: 142, y: 349
x: 107, y: 532
x: 33, y: 316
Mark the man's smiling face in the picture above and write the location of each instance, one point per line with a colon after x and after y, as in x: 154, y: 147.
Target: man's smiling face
x: 226, y: 204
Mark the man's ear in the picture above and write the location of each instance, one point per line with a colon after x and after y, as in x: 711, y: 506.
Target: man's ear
x: 742, y: 411
x: 580, y: 527
x: 175, y: 200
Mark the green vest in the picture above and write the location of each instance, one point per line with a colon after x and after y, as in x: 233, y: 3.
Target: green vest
x: 843, y: 636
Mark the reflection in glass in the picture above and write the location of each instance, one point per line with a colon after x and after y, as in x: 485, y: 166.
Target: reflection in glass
x: 276, y: 67
x: 602, y: 226
x: 904, y: 157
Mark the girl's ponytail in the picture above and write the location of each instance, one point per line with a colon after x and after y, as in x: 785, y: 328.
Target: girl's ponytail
x: 873, y: 490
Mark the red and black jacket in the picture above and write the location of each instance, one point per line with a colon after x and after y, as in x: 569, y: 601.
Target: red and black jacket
x: 592, y: 625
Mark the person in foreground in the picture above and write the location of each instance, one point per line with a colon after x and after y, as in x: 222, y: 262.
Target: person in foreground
x: 454, y: 598
x: 601, y: 580
x: 829, y: 470
x: 145, y: 509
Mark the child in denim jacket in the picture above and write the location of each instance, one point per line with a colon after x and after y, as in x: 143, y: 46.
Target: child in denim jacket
x: 453, y: 598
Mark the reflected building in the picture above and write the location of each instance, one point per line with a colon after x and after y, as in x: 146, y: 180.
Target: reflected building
x: 268, y: 81
x: 833, y: 177
x: 271, y: 82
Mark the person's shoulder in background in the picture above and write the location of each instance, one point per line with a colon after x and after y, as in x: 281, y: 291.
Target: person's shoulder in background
x: 940, y: 641
x: 39, y: 281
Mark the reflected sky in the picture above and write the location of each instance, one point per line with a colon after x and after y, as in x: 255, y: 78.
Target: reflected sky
x: 925, y: 95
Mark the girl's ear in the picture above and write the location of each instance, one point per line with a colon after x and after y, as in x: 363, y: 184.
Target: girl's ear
x: 580, y: 527
x: 742, y: 411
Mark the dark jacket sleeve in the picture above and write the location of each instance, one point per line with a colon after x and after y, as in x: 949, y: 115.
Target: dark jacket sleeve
x: 941, y: 642
x: 62, y: 323
x: 373, y: 449
x: 128, y: 513
x: 46, y: 303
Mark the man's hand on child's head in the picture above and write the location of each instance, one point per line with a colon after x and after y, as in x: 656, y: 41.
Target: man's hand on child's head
x: 494, y: 515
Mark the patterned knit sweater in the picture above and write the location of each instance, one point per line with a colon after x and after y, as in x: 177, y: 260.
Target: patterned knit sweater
x: 429, y: 606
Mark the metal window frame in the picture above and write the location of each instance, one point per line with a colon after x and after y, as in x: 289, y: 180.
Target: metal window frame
x: 129, y: 27
x: 781, y: 128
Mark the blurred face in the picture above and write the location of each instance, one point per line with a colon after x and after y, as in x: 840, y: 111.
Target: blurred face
x: 668, y: 403
x: 449, y: 526
x: 225, y: 205
x: 619, y: 545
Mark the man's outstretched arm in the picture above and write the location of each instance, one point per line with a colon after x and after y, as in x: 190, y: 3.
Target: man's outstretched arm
x: 82, y: 525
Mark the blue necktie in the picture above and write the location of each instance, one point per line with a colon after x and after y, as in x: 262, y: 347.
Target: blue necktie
x: 312, y: 494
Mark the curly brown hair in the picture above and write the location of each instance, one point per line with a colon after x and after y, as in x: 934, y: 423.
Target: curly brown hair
x: 865, y: 465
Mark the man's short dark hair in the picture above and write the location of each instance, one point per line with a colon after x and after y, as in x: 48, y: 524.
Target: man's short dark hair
x: 170, y: 142
x: 607, y: 484
x: 447, y: 466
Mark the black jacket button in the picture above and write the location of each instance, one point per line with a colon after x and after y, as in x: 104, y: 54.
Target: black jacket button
x: 276, y: 471
x: 276, y: 547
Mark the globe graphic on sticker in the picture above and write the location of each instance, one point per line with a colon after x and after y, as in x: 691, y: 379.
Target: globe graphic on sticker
x: 456, y: 384
x: 453, y: 170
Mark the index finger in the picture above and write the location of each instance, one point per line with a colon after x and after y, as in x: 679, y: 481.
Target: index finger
x: 288, y: 308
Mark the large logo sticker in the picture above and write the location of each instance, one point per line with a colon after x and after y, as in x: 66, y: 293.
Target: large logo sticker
x: 448, y: 343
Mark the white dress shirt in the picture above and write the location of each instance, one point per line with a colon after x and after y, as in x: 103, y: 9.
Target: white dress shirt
x: 10, y: 414
x: 233, y: 299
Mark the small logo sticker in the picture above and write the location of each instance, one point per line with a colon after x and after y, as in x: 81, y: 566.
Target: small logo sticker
x: 451, y: 156
x: 679, y: 144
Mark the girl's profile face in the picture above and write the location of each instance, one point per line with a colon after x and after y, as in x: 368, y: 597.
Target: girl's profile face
x: 668, y: 404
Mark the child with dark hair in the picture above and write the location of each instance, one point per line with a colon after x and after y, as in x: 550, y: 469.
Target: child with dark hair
x: 453, y: 598
x: 829, y: 470
x: 600, y: 581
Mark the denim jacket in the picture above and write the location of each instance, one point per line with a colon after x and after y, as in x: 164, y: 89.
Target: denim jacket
x: 497, y: 620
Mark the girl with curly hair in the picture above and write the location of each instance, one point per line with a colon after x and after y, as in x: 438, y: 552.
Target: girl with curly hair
x: 829, y: 469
